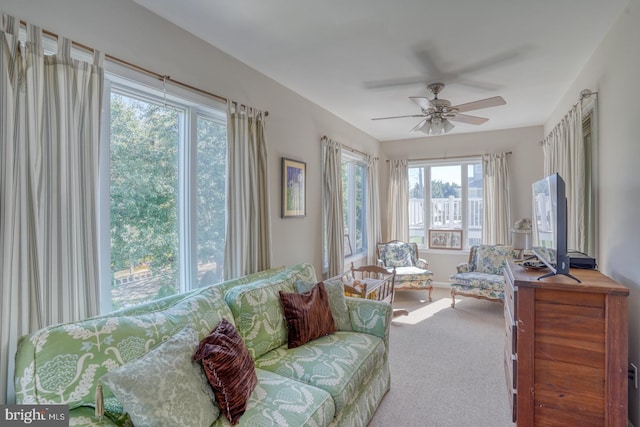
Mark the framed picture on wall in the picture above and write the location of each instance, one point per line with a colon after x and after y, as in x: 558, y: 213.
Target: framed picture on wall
x: 445, y: 239
x: 294, y: 181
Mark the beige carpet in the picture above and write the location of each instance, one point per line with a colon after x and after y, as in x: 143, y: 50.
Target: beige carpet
x: 446, y: 364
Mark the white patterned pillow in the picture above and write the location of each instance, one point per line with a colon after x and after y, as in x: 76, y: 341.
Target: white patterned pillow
x: 164, y: 387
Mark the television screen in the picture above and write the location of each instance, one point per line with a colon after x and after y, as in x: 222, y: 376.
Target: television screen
x: 550, y: 224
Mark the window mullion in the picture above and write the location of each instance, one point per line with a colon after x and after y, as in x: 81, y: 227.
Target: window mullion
x: 464, y: 213
x: 187, y: 201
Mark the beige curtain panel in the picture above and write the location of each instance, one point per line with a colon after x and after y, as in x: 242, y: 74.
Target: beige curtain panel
x: 248, y: 219
x: 496, y: 220
x: 398, y: 207
x: 50, y: 123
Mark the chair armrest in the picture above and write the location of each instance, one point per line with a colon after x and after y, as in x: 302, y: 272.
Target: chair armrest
x: 463, y: 267
x: 422, y: 263
x: 380, y: 263
x: 370, y: 316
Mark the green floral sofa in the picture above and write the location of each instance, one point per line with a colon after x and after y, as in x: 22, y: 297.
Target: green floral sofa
x: 482, y: 277
x: 411, y: 271
x: 335, y: 380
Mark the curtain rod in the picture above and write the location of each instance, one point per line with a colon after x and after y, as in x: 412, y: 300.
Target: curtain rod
x: 346, y: 147
x: 584, y: 94
x: 448, y: 158
x: 162, y: 77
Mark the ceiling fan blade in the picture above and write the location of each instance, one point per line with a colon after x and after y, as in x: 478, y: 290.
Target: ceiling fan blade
x: 483, y: 103
x: 392, y: 83
x: 472, y: 120
x: 418, y: 126
x: 398, y: 117
x: 423, y: 102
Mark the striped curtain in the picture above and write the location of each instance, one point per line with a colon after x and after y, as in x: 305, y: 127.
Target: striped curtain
x: 332, y: 212
x: 398, y: 201
x: 249, y: 249
x: 564, y: 153
x: 496, y: 221
x: 49, y: 123
x: 374, y: 234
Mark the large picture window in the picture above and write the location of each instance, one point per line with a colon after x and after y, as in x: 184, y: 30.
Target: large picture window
x: 445, y: 196
x: 166, y: 194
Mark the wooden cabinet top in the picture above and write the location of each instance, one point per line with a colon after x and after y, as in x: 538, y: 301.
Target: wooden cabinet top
x: 592, y: 281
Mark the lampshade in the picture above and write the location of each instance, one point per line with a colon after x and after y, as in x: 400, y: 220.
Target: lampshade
x: 436, y: 125
x: 521, y: 234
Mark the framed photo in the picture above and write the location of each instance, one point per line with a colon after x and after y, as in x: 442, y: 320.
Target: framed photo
x: 348, y: 251
x: 445, y: 239
x: 293, y: 188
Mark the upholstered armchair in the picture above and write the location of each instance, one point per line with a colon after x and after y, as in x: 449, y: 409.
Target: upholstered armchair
x: 481, y: 277
x: 411, y: 271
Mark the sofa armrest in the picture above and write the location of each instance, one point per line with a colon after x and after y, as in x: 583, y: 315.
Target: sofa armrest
x: 422, y: 263
x: 463, y: 267
x: 370, y: 316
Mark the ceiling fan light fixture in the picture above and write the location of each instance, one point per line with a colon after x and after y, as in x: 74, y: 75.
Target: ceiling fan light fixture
x: 448, y: 126
x: 436, y: 126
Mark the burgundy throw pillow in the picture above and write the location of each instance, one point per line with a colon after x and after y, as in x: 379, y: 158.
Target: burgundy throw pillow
x: 229, y: 369
x: 308, y: 315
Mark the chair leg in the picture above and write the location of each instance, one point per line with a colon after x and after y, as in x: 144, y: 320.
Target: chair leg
x: 453, y: 298
x: 430, y: 290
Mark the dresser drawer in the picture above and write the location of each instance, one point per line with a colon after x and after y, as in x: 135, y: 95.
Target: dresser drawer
x: 510, y: 294
x: 510, y: 330
x: 510, y: 368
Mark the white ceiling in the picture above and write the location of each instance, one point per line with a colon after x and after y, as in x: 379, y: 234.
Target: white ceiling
x: 337, y: 53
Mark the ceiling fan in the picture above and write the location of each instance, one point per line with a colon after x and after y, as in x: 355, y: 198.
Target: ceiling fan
x: 438, y: 112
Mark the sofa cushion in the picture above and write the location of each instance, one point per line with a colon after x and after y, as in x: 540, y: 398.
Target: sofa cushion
x: 338, y: 363
x: 279, y: 401
x: 165, y: 387
x: 480, y: 280
x: 308, y: 315
x: 492, y: 259
x: 229, y: 369
x: 258, y: 313
x: 397, y: 254
x: 335, y: 291
x: 61, y: 364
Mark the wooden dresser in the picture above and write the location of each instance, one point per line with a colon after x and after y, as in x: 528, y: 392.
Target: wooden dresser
x: 566, y: 348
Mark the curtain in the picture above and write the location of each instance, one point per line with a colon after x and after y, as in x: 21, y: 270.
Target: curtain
x: 374, y: 234
x: 248, y: 242
x: 496, y: 221
x: 398, y: 207
x: 50, y: 124
x: 564, y: 153
x: 332, y: 214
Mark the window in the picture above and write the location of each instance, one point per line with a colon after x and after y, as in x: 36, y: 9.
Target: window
x: 453, y: 195
x: 354, y: 193
x: 166, y: 200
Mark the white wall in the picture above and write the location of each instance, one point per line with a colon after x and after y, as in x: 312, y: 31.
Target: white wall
x: 525, y: 166
x: 294, y: 126
x: 614, y: 71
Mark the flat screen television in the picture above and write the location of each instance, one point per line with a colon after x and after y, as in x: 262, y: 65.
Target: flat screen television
x: 550, y: 225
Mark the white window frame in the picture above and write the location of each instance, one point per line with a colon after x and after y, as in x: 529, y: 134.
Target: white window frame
x: 463, y: 162
x: 354, y: 158
x: 129, y: 82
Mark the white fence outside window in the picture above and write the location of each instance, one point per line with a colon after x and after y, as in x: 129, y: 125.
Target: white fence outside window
x: 446, y: 213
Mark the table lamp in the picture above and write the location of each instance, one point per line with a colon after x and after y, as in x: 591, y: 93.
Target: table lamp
x: 521, y: 235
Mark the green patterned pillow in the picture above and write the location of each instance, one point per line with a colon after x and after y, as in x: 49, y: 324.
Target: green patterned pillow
x: 335, y: 290
x: 257, y: 310
x: 165, y: 387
